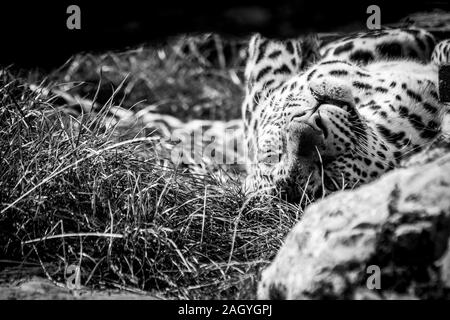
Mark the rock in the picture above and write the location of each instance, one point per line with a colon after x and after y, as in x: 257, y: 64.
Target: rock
x: 444, y: 83
x: 398, y: 226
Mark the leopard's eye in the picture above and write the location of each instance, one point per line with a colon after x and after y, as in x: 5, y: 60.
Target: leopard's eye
x: 345, y: 107
x: 269, y: 157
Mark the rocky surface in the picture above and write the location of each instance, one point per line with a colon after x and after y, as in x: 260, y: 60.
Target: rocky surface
x: 388, y: 239
x: 38, y: 288
x: 28, y: 283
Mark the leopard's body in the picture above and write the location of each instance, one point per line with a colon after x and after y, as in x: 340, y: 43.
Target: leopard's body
x: 369, y: 112
x: 366, y: 47
x: 340, y: 122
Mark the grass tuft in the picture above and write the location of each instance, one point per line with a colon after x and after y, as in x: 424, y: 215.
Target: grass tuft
x: 110, y: 206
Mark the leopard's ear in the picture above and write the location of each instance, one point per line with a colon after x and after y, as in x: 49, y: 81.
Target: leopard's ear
x: 253, y: 45
x: 310, y: 46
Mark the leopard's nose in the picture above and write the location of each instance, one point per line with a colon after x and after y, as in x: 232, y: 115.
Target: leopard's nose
x: 305, y: 135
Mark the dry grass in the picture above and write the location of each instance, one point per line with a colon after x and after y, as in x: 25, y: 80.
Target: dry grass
x: 192, y: 77
x: 88, y: 198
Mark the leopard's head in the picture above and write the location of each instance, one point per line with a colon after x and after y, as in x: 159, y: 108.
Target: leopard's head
x: 293, y: 131
x: 311, y: 140
x: 335, y: 125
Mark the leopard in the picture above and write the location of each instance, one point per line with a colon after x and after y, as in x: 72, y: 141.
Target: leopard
x: 270, y: 62
x: 344, y: 119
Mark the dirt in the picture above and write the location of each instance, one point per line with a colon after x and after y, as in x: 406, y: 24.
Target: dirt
x: 26, y: 284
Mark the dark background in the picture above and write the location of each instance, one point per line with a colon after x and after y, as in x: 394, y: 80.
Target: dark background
x: 34, y: 33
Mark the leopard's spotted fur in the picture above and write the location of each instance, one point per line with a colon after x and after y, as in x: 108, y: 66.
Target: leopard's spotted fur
x: 366, y: 47
x: 340, y: 122
x: 441, y: 54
